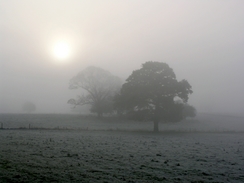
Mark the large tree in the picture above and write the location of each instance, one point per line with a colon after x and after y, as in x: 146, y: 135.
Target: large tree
x: 150, y: 94
x: 99, y: 87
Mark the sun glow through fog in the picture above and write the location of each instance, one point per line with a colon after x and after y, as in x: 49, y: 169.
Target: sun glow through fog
x: 61, y: 51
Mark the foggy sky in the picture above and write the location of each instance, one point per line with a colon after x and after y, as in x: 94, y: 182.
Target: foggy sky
x: 203, y: 41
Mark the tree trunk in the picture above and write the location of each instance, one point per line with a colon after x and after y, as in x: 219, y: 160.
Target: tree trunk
x: 155, y: 127
x: 156, y: 118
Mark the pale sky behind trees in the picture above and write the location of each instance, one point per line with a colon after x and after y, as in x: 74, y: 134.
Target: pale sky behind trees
x: 203, y: 41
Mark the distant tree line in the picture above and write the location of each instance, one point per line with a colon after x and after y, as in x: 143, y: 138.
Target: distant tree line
x: 151, y: 93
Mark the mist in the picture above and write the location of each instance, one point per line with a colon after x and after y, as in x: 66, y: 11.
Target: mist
x: 202, y: 41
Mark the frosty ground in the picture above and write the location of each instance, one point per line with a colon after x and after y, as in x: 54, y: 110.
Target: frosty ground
x: 92, y: 155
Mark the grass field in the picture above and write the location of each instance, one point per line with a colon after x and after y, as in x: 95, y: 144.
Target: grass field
x: 115, y: 151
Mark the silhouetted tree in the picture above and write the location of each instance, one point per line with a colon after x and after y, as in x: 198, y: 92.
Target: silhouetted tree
x: 149, y: 94
x: 100, y: 86
x: 29, y: 107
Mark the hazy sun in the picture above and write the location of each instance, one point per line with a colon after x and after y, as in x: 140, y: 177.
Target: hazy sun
x: 61, y: 50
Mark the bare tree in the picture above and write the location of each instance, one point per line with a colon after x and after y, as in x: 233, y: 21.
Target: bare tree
x: 99, y: 85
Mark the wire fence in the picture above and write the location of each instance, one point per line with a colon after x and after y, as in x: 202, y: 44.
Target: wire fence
x: 78, y: 122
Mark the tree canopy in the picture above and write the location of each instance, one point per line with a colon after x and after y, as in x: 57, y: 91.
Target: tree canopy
x: 189, y: 111
x: 100, y: 87
x: 149, y: 94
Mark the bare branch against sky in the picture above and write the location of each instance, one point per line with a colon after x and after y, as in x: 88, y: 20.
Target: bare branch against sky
x: 45, y: 43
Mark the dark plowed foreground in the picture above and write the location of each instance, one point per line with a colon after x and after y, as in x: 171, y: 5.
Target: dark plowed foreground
x: 93, y: 156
